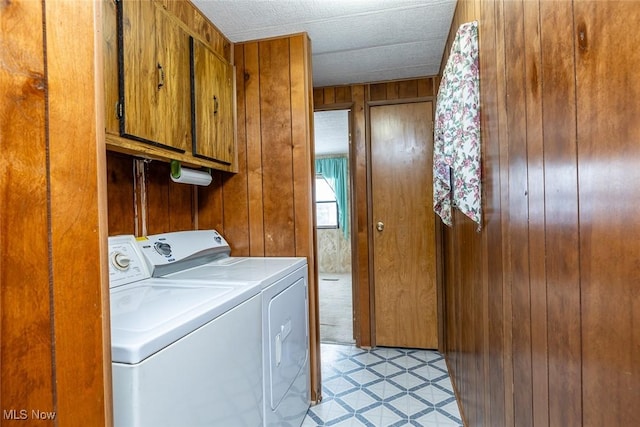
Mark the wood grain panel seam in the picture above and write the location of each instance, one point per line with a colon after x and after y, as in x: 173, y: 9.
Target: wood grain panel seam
x: 293, y: 143
x: 52, y: 324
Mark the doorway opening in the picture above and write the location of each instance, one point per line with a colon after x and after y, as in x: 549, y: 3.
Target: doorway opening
x: 333, y: 213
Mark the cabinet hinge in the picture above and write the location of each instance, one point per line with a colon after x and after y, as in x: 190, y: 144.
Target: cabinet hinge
x: 119, y: 110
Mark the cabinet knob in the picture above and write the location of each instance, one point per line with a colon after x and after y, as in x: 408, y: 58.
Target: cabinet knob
x: 380, y: 226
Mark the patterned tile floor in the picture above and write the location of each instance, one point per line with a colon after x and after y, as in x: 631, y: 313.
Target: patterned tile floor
x: 384, y: 387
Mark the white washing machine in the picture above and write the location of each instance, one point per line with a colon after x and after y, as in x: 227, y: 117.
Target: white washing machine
x: 283, y: 282
x: 183, y: 354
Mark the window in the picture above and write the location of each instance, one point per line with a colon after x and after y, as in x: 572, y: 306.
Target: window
x: 334, y: 171
x: 326, y: 204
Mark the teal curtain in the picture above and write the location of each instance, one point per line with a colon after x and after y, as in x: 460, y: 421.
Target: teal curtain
x: 334, y: 170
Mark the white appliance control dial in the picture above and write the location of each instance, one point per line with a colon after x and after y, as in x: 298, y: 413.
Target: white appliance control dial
x: 163, y: 248
x: 120, y: 261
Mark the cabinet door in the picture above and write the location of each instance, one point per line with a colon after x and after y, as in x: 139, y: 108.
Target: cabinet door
x: 212, y: 105
x: 174, y: 110
x: 154, y: 77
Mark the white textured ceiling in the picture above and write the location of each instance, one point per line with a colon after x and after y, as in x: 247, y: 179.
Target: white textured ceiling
x: 352, y: 41
x: 331, y: 130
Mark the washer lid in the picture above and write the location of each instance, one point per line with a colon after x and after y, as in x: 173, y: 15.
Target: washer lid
x: 149, y: 315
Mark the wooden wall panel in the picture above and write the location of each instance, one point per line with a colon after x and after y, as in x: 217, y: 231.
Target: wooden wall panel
x: 343, y: 94
x: 561, y: 215
x: 26, y: 364
x: 517, y: 213
x: 496, y: 17
x: 302, y: 143
x: 401, y: 89
x: 331, y: 96
x: 558, y: 279
x: 121, y: 194
x: 277, y: 143
x: 169, y: 205
x: 54, y: 342
x: 82, y: 347
x: 494, y: 269
x: 607, y: 61
x: 209, y: 209
x: 236, y: 221
x: 253, y: 123
x: 156, y: 212
x: 536, y: 217
x: 471, y: 346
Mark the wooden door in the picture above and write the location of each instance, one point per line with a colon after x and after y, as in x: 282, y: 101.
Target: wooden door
x: 403, y: 226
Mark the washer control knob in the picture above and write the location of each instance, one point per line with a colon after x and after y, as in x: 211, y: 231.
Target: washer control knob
x: 218, y: 239
x: 163, y: 249
x: 120, y: 261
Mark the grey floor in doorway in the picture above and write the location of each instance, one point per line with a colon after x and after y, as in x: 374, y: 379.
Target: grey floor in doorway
x: 335, y: 300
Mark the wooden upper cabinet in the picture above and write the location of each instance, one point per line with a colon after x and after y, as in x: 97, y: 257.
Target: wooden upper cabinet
x: 213, y: 105
x: 154, y: 77
x: 161, y: 101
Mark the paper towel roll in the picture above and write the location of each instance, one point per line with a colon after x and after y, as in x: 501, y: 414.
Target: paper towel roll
x: 192, y: 176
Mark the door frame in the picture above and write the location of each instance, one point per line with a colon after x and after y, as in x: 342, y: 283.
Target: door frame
x: 357, y: 98
x: 355, y: 285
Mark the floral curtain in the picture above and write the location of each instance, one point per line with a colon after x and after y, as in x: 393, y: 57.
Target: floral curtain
x: 456, y: 158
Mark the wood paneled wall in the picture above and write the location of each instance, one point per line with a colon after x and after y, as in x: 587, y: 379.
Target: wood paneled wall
x: 540, y: 306
x: 54, y: 343
x: 358, y: 98
x: 266, y: 209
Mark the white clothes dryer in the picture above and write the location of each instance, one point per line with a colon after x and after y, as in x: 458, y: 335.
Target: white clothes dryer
x: 284, y: 310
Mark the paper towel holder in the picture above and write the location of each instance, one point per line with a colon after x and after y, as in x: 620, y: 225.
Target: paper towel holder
x: 183, y: 175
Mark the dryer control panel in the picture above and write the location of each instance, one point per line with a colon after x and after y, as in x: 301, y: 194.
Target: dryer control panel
x: 126, y: 263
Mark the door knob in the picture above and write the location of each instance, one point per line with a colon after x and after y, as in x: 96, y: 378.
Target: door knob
x: 380, y: 226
